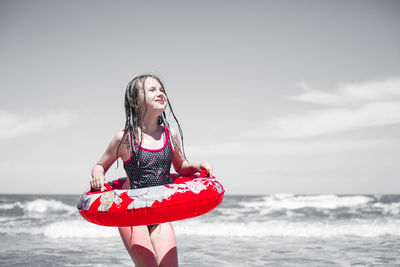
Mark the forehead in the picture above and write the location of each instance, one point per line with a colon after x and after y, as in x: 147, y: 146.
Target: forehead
x: 151, y: 82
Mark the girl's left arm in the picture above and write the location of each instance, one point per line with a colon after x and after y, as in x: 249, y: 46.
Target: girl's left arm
x: 181, y: 165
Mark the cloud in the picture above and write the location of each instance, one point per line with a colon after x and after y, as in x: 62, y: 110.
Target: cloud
x: 13, y: 125
x: 351, y: 93
x: 327, y: 121
x: 348, y: 107
x: 264, y: 148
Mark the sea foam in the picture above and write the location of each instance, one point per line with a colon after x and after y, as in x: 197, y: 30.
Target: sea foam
x: 272, y: 215
x: 277, y: 228
x: 288, y: 201
x: 78, y: 229
x: 47, y: 206
x: 290, y: 229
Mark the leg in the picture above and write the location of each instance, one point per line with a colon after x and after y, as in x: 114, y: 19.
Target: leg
x: 164, y: 244
x: 138, y: 244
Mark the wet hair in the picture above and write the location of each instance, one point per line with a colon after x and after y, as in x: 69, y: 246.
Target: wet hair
x: 135, y: 112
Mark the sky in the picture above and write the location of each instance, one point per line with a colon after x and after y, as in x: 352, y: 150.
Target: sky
x: 297, y: 97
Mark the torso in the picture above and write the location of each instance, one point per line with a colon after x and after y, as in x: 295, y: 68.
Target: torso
x: 155, y: 158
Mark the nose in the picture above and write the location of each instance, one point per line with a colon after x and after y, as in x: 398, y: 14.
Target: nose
x: 160, y: 92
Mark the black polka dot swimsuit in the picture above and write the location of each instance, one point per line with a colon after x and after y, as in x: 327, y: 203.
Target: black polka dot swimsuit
x: 154, y: 165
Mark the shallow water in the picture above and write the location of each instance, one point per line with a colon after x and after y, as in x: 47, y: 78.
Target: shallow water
x: 271, y: 230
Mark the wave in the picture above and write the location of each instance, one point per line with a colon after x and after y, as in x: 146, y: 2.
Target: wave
x: 388, y: 208
x: 288, y: 201
x: 9, y: 206
x: 286, y: 205
x: 273, y: 215
x: 317, y: 206
x: 47, y: 206
x: 37, y: 207
x: 290, y: 229
x: 79, y: 228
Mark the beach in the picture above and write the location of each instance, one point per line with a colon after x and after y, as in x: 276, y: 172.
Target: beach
x: 267, y: 230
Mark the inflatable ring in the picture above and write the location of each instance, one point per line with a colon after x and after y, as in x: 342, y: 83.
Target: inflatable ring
x: 186, y: 197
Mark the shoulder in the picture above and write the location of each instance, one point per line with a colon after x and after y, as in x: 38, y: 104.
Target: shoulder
x: 171, y: 130
x: 119, y: 144
x: 175, y: 139
x: 174, y: 134
x: 119, y: 137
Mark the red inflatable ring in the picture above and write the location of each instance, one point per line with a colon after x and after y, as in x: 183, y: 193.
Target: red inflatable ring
x: 186, y: 197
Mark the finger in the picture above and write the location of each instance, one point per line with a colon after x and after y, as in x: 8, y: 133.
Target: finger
x: 207, y: 171
x: 204, y: 166
x: 208, y: 168
x: 104, y: 183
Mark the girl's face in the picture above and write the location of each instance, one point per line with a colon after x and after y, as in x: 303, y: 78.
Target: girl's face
x: 154, y: 96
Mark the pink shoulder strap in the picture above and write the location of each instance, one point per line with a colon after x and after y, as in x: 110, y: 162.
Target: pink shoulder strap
x: 168, y: 137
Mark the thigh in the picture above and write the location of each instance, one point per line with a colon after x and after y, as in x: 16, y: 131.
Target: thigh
x: 164, y: 244
x: 138, y: 244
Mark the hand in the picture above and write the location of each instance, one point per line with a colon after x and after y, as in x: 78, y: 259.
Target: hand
x: 207, y: 167
x: 98, y: 182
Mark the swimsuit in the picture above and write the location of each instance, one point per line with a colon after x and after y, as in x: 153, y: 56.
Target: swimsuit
x: 154, y: 166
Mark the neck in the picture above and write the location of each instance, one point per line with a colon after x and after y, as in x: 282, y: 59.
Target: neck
x: 150, y: 124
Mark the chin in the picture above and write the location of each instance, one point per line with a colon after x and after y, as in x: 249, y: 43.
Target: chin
x: 163, y: 107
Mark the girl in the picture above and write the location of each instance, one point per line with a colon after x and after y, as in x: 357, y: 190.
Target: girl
x: 147, y: 146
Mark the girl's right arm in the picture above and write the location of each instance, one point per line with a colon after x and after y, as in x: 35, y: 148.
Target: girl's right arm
x: 181, y: 165
x: 108, y: 158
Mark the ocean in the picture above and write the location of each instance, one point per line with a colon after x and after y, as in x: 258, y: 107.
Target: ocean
x: 269, y: 230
